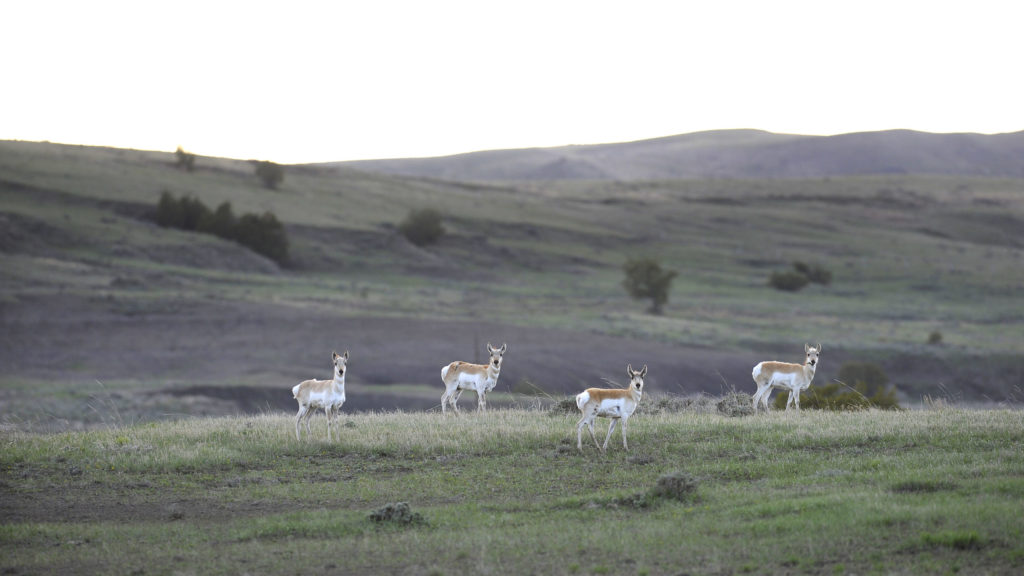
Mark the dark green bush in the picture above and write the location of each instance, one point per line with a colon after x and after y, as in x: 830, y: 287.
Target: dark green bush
x: 645, y: 278
x: 221, y: 222
x: 788, y: 280
x: 263, y: 234
x: 270, y: 174
x: 168, y: 211
x: 935, y: 338
x: 422, y: 227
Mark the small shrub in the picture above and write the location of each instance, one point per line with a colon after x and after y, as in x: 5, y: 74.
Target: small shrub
x: 399, y: 513
x: 422, y: 227
x: 675, y: 486
x: 955, y: 540
x: 645, y: 279
x: 815, y: 273
x: 678, y: 486
x: 736, y: 404
x: 788, y: 281
x: 185, y: 160
x: 935, y: 338
x: 269, y: 173
x: 564, y: 406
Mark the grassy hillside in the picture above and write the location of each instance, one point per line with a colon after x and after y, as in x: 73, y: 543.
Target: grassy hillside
x: 93, y: 290
x: 859, y: 493
x: 732, y: 154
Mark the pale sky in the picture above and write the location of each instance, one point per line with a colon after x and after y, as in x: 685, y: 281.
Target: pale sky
x: 294, y: 81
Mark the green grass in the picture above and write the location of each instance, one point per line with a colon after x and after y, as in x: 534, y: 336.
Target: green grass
x: 506, y: 492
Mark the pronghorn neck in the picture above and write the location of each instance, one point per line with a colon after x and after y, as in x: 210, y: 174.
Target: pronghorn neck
x: 635, y: 394
x: 492, y: 372
x: 809, y: 371
x: 339, y: 381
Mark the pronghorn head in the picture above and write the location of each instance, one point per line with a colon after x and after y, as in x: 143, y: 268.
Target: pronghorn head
x: 636, y: 377
x: 496, y: 354
x: 340, y: 363
x: 812, y: 354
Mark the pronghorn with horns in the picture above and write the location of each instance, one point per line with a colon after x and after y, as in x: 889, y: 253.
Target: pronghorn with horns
x: 480, y: 378
x: 792, y: 377
x: 615, y: 404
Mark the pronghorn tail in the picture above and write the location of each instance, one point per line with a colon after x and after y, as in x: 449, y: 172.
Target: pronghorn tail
x: 295, y: 391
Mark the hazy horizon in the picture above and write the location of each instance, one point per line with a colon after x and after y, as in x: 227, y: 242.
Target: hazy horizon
x: 312, y: 83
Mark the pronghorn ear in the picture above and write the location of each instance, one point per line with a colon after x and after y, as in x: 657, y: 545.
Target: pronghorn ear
x: 490, y: 348
x: 504, y: 347
x: 346, y: 355
x: 334, y: 355
x: 629, y: 370
x: 819, y: 347
x: 643, y: 372
x: 806, y: 348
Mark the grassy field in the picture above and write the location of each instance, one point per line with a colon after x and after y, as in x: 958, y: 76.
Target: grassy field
x: 932, y: 491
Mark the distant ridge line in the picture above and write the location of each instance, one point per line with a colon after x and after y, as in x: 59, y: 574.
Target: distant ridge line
x: 730, y: 154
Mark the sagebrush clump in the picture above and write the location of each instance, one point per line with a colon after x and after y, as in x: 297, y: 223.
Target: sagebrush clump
x: 399, y: 513
x: 422, y: 227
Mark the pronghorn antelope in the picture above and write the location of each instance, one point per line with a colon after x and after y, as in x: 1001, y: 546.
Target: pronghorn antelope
x: 611, y: 403
x: 326, y: 394
x: 480, y: 378
x: 792, y: 377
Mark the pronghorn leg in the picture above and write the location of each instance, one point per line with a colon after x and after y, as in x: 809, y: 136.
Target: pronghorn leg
x: 481, y: 401
x: 455, y: 400
x: 298, y: 420
x: 445, y: 399
x: 757, y: 396
x: 309, y: 416
x: 607, y: 436
x: 579, y: 432
x: 624, y: 444
x: 590, y: 426
x: 795, y: 395
x: 327, y: 414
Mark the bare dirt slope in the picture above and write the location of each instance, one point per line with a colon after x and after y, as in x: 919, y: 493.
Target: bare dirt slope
x: 197, y: 348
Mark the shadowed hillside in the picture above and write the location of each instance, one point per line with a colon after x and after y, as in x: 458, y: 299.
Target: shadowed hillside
x: 733, y: 154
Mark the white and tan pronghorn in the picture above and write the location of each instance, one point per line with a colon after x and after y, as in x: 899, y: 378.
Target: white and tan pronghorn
x: 616, y: 404
x: 481, y: 378
x: 792, y: 377
x: 326, y: 394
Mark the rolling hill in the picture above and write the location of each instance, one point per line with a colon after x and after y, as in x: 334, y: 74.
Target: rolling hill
x: 732, y: 154
x: 98, y: 304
